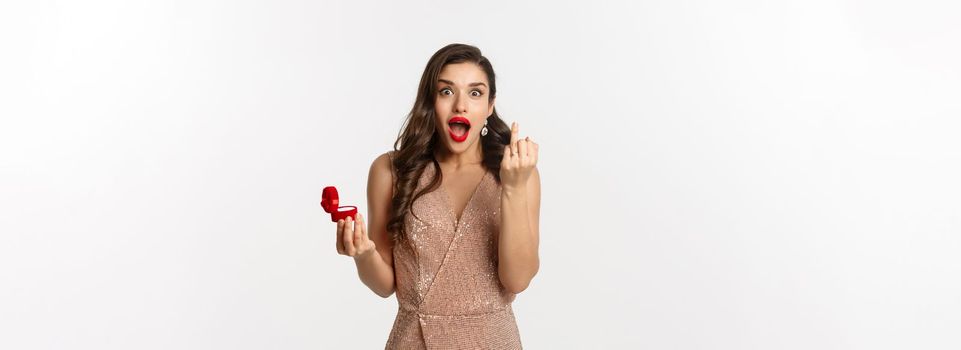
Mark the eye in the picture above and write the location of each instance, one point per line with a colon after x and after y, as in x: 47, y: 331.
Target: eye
x: 476, y: 93
x: 446, y: 91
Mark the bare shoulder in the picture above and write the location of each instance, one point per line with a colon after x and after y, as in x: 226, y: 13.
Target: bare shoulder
x: 380, y: 181
x: 382, y: 168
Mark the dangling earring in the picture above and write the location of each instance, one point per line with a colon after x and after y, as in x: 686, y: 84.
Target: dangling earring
x: 484, y: 130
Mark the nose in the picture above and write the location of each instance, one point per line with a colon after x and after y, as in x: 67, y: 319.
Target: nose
x: 460, y: 105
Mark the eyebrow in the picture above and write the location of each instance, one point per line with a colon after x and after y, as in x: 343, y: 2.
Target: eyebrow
x: 452, y: 83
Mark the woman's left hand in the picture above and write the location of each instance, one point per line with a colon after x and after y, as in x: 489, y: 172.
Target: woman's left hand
x: 520, y: 158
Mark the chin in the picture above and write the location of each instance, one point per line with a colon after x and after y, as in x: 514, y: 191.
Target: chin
x: 458, y: 147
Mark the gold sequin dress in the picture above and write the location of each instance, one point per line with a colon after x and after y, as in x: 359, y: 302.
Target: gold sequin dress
x: 448, y: 292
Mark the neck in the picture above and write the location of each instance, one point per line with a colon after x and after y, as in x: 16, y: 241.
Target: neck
x: 473, y: 156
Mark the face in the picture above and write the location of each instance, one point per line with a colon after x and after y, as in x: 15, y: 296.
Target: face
x: 461, y: 105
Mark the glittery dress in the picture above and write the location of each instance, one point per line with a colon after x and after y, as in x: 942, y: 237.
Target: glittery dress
x: 448, y: 292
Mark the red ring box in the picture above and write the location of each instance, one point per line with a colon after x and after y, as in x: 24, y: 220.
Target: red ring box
x: 330, y: 201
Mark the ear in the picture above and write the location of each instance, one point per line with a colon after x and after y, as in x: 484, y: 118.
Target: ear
x: 490, y: 109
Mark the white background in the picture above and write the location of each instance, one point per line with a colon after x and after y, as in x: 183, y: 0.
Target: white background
x: 716, y: 175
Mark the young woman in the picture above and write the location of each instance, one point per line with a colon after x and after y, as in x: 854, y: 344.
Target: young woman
x: 454, y: 213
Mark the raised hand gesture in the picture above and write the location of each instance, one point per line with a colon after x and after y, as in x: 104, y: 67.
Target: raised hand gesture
x: 520, y: 158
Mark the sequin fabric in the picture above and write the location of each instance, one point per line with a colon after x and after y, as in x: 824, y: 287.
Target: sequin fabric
x: 448, y: 292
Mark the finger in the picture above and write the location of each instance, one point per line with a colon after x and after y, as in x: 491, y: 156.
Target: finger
x: 340, y: 237
x: 359, y: 232
x: 534, y: 152
x: 367, y: 243
x: 523, y: 152
x: 363, y: 225
x: 363, y: 229
x: 349, y: 237
x: 514, y: 130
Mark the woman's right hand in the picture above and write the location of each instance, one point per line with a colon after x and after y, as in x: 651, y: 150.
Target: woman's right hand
x: 352, y: 238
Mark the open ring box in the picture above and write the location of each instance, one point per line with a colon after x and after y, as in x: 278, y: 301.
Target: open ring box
x: 330, y: 202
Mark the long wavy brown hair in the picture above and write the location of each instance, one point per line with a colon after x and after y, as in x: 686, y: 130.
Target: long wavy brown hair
x: 416, y: 142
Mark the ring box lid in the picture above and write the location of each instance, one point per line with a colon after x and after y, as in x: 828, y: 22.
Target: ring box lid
x: 329, y: 200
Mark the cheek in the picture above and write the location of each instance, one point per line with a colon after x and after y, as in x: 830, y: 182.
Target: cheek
x: 441, y: 104
x: 439, y: 112
x: 440, y: 123
x: 482, y: 110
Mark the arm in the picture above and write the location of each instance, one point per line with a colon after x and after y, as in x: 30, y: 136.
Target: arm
x: 375, y: 267
x: 520, y: 214
x: 519, y: 237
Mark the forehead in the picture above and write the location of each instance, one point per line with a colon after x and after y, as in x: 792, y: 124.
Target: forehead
x: 463, y: 73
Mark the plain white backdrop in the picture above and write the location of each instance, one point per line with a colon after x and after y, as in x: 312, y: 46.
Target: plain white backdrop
x: 716, y: 175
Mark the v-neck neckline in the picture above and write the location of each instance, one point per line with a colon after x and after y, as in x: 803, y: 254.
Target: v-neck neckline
x: 450, y: 202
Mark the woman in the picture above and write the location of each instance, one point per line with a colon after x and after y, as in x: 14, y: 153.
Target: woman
x: 453, y: 214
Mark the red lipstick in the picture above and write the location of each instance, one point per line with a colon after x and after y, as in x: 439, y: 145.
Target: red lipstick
x: 461, y: 125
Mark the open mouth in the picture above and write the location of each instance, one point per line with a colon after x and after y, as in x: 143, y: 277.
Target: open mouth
x: 458, y: 127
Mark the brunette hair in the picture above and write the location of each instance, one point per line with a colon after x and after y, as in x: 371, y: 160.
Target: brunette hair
x: 416, y: 142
